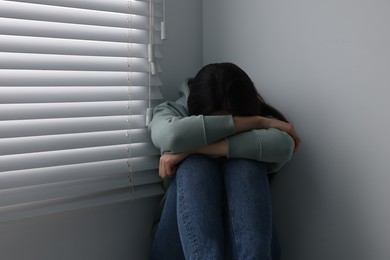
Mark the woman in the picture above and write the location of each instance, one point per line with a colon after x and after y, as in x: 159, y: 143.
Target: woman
x: 219, y: 142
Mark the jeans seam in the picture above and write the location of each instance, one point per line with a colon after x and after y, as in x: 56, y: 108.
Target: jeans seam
x: 235, y: 239
x: 187, y: 223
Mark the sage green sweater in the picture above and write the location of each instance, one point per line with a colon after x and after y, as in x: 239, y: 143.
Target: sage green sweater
x: 173, y: 130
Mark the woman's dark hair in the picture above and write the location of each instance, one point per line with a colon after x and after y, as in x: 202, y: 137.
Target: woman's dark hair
x: 226, y: 87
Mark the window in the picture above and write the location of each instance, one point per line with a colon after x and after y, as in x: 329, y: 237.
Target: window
x: 75, y: 84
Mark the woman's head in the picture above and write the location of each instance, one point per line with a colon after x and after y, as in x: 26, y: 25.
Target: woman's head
x: 226, y: 88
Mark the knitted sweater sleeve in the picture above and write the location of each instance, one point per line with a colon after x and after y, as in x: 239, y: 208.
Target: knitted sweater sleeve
x: 272, y: 146
x: 172, y: 130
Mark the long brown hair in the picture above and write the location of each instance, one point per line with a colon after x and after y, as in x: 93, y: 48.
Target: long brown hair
x: 226, y: 87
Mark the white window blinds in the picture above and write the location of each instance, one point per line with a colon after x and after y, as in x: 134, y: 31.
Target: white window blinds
x: 75, y: 84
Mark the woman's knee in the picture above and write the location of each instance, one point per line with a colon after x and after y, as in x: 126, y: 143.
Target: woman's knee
x: 245, y: 169
x: 246, y: 164
x: 197, y: 163
x: 198, y: 169
x: 196, y: 159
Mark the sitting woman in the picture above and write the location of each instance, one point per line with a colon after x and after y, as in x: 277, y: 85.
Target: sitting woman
x: 219, y: 141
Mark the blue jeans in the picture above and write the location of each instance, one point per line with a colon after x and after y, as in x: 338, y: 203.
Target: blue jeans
x: 217, y: 208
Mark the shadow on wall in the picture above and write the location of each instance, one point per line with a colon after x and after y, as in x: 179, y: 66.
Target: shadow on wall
x: 305, y: 209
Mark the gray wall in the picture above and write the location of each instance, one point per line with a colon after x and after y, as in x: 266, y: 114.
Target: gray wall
x: 326, y: 64
x: 119, y: 231
x: 183, y: 48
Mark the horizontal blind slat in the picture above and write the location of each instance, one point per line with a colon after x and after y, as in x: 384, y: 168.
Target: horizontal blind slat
x: 60, y: 190
x: 22, y: 128
x: 24, y: 61
x: 62, y: 173
x: 27, y: 44
x: 48, y: 94
x: 49, y: 206
x: 35, y: 144
x: 136, y: 7
x: 75, y: 156
x: 69, y: 110
x: 44, y: 29
x: 57, y: 191
x: 61, y: 14
x: 77, y: 78
x: 65, y: 173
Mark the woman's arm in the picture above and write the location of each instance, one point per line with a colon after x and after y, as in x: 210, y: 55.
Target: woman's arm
x: 223, y: 135
x: 267, y: 145
x: 172, y: 130
x: 272, y: 146
x: 247, y: 123
x: 168, y: 161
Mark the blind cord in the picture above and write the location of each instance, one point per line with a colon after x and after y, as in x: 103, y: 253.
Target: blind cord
x: 151, y: 59
x: 163, y: 31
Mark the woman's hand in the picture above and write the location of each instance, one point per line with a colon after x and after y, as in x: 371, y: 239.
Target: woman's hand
x: 168, y: 162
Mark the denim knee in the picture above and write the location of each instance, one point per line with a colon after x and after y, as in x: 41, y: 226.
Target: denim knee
x: 246, y: 166
x: 196, y: 159
x: 198, y: 168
